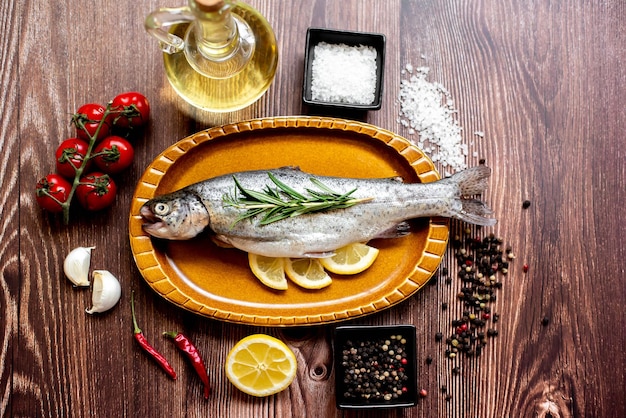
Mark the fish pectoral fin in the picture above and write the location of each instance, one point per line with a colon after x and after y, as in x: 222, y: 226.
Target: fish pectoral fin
x: 400, y: 230
x: 220, y: 241
x: 322, y: 254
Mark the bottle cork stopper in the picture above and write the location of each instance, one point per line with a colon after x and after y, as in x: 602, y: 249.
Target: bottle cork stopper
x: 210, y: 5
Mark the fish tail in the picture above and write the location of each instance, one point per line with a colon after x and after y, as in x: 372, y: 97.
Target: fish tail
x: 471, y: 182
x: 475, y: 212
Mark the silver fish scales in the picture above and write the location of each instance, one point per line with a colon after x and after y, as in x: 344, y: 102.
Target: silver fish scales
x: 384, y: 206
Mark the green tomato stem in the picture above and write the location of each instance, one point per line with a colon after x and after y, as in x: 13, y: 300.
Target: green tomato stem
x: 79, y: 170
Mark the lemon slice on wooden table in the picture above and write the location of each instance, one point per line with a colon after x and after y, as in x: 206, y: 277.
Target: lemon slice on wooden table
x: 307, y: 273
x: 269, y: 270
x: 351, y: 259
x: 261, y: 365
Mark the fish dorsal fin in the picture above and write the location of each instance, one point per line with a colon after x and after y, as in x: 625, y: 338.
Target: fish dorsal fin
x: 290, y: 167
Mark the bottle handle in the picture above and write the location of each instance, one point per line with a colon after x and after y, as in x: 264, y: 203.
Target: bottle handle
x: 158, y: 21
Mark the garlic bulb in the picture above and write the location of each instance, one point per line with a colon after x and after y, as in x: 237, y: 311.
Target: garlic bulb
x: 76, y: 265
x: 106, y: 291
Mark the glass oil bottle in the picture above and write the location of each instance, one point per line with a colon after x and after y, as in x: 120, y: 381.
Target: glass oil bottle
x: 219, y: 55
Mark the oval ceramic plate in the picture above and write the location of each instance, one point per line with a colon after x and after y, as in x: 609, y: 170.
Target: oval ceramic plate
x: 216, y: 282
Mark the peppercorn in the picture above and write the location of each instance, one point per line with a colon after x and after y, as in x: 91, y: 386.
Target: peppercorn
x: 526, y: 204
x: 438, y: 336
x: 374, y: 370
x: 545, y: 321
x: 480, y: 262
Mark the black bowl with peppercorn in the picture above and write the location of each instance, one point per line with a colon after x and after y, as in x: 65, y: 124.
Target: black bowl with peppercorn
x: 375, y: 366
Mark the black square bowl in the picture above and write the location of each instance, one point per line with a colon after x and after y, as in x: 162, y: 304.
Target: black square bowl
x: 316, y: 35
x: 372, y: 363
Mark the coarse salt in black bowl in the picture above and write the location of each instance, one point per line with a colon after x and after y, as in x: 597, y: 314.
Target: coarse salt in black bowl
x: 343, y: 70
x: 375, y: 367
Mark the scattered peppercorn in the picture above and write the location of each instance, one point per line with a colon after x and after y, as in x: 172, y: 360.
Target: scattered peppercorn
x: 481, y: 262
x: 423, y: 393
x: 545, y: 321
x: 429, y: 360
x: 525, y: 268
x: 526, y: 204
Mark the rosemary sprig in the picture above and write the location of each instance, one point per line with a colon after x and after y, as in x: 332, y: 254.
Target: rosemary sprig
x: 284, y: 202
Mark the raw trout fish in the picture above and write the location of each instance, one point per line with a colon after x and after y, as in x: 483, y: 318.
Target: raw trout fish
x: 379, y: 209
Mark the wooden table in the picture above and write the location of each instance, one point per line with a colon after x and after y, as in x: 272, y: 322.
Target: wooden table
x: 545, y: 83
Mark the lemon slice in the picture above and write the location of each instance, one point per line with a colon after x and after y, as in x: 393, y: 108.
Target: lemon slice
x: 307, y: 272
x: 260, y: 365
x: 351, y: 259
x: 269, y: 270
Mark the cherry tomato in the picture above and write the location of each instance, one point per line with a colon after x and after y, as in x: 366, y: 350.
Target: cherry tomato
x: 135, y: 110
x: 90, y: 116
x: 96, y: 191
x: 113, y: 155
x: 70, y: 156
x: 52, y: 191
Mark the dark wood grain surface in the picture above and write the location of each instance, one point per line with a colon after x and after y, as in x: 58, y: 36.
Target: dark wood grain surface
x: 544, y: 81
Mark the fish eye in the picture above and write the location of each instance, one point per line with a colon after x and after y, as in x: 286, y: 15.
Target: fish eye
x: 161, y: 208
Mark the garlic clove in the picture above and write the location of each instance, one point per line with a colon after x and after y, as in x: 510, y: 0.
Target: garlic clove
x: 106, y: 291
x: 76, y: 266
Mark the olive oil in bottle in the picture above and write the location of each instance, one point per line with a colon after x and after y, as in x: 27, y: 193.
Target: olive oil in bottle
x: 219, y: 56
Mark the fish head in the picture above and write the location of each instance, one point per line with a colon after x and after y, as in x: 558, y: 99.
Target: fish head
x: 176, y: 216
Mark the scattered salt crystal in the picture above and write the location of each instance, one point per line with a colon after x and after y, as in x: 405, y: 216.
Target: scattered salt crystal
x: 409, y: 68
x: 480, y: 134
x: 428, y: 108
x: 343, y: 74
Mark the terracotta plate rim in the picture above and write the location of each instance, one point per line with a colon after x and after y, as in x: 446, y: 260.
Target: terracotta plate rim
x: 145, y: 253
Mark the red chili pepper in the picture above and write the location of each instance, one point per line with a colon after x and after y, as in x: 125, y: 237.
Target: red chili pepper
x: 186, y: 346
x: 143, y: 342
